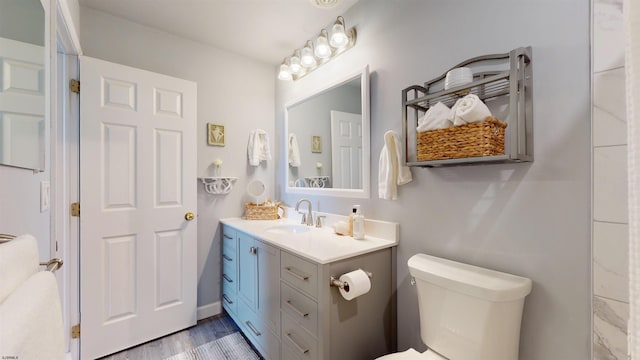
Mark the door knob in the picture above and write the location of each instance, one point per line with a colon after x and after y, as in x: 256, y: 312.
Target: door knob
x: 189, y: 216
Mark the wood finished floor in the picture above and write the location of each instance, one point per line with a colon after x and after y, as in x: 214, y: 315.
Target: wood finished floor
x: 206, y: 330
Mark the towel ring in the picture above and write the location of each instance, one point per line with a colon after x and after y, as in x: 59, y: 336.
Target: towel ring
x: 53, y: 264
x: 6, y: 238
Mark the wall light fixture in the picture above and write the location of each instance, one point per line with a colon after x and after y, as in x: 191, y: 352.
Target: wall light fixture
x: 311, y: 56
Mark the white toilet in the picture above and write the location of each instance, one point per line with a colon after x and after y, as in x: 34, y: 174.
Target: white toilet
x: 466, y: 312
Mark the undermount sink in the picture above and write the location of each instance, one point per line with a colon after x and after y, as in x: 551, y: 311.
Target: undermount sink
x: 288, y: 229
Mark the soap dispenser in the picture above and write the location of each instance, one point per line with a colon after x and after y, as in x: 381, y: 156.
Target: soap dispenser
x: 352, y: 215
x: 358, y: 224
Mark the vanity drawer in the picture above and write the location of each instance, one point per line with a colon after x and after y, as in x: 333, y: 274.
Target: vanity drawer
x: 263, y: 339
x: 229, y: 263
x: 229, y: 251
x: 298, y: 343
x: 229, y: 298
x: 289, y: 353
x: 230, y: 274
x: 300, y: 273
x: 229, y: 238
x: 303, y: 310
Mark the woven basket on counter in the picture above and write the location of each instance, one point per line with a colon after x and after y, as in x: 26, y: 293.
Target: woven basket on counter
x: 255, y: 211
x: 485, y: 138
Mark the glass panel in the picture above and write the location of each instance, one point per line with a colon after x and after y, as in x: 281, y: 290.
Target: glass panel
x: 22, y: 84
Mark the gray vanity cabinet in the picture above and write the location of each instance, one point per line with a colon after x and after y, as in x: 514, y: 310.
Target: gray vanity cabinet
x: 286, y: 307
x: 319, y: 324
x: 257, y: 304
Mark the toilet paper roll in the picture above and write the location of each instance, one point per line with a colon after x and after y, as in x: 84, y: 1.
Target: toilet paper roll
x: 356, y: 283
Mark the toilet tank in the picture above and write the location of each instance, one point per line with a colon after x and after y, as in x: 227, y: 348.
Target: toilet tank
x: 468, y: 312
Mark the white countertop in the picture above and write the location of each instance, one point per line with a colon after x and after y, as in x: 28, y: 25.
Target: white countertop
x: 321, y: 245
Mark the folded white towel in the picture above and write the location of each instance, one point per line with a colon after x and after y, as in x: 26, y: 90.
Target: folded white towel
x: 437, y: 117
x: 18, y: 261
x: 294, y: 151
x: 469, y: 109
x: 391, y: 173
x: 258, y: 147
x: 31, y: 320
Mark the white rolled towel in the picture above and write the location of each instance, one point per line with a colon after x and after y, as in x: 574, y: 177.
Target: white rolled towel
x: 468, y: 110
x: 437, y: 117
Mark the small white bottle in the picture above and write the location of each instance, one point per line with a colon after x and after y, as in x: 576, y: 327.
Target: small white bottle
x: 358, y: 224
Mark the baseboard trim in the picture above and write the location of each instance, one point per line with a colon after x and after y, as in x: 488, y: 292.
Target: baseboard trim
x: 209, y: 310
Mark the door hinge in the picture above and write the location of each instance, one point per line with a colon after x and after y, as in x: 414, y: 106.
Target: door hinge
x: 74, y: 86
x: 75, y: 209
x: 75, y: 331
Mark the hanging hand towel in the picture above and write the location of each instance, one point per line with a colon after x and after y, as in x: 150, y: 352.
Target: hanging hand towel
x: 258, y: 147
x: 19, y: 260
x: 391, y: 173
x: 31, y: 320
x: 468, y: 110
x: 437, y: 117
x: 294, y: 151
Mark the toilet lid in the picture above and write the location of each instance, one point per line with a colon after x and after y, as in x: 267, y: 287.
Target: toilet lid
x: 431, y: 355
x: 412, y: 354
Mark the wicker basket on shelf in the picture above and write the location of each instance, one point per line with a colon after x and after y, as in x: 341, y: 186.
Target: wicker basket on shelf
x: 485, y: 138
x: 255, y: 211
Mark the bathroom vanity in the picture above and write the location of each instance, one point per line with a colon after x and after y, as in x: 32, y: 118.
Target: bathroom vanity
x: 276, y: 286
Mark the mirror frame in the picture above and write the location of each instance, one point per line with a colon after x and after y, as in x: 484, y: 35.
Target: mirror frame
x: 365, y: 191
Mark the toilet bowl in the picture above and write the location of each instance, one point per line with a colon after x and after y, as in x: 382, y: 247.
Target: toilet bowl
x: 457, y: 302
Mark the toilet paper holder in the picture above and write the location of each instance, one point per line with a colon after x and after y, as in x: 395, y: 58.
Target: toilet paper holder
x: 334, y: 281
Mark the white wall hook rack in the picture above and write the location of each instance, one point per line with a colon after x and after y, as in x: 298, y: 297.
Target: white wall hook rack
x: 218, y: 185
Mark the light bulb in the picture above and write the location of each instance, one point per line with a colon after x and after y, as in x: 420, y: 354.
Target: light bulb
x: 294, y: 63
x: 284, y: 73
x: 307, y: 59
x: 322, y: 50
x: 338, y: 37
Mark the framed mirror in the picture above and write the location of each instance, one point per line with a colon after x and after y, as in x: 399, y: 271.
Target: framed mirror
x: 22, y: 91
x: 327, y: 139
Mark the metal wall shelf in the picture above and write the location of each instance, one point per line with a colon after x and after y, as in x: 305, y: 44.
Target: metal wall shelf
x: 500, y: 78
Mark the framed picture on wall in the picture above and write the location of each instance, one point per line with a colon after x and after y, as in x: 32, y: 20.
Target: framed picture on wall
x: 215, y: 134
x: 316, y: 144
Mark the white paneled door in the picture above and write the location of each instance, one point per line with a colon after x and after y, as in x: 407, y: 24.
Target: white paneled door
x: 138, y: 276
x: 346, y: 150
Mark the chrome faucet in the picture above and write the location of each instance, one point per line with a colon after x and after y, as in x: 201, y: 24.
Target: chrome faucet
x: 308, y: 217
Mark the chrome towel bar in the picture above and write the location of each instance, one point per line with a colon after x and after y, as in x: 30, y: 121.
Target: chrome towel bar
x: 6, y: 237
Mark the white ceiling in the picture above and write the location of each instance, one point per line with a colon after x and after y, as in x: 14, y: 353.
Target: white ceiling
x: 265, y: 30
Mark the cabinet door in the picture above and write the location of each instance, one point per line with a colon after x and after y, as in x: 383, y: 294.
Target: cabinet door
x: 247, y: 270
x: 269, y: 285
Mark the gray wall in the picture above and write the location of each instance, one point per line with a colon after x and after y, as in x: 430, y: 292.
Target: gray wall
x: 232, y: 91
x: 528, y: 219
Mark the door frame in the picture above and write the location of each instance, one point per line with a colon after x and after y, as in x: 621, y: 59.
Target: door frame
x: 64, y: 163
